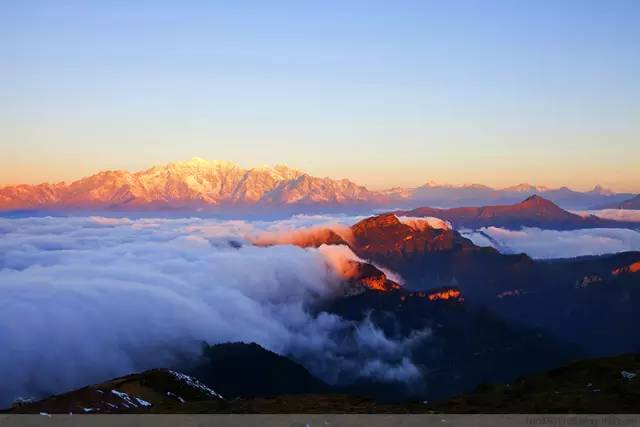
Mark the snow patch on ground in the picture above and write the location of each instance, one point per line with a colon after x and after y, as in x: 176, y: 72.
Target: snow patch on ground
x: 142, y: 402
x: 180, y: 399
x: 194, y: 383
x: 125, y: 397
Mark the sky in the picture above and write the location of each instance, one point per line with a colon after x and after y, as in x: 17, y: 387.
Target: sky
x: 384, y: 93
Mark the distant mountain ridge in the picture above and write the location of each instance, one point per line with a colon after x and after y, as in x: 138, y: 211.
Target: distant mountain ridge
x: 534, y: 211
x: 632, y: 203
x: 219, y: 186
x: 445, y: 196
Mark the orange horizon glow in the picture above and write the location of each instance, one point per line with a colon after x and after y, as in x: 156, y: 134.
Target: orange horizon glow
x: 396, y: 97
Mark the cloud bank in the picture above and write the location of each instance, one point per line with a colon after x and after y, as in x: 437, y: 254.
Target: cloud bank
x: 630, y: 215
x: 539, y: 243
x: 86, y: 299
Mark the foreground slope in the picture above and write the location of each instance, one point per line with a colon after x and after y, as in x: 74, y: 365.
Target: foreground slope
x: 224, y: 373
x: 156, y: 388
x: 604, y: 385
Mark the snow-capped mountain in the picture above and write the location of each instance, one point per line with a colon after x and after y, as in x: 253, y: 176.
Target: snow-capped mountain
x: 196, y: 183
x: 222, y: 186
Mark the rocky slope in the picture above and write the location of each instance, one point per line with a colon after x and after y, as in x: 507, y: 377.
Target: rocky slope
x: 156, y: 388
x: 603, y: 385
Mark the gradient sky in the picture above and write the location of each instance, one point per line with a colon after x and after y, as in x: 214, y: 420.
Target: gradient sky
x: 385, y: 93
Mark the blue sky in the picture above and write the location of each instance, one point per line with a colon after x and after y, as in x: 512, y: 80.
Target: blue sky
x: 384, y: 93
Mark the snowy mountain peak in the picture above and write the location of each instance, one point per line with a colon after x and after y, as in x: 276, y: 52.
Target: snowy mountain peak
x: 599, y: 189
x: 196, y: 183
x: 201, y: 184
x: 200, y: 163
x: 527, y: 188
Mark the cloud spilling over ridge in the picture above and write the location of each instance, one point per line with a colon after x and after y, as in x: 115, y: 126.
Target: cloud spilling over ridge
x: 422, y: 223
x: 284, y: 231
x: 86, y: 299
x: 302, y: 236
x: 539, y: 243
x: 299, y: 230
x: 340, y: 258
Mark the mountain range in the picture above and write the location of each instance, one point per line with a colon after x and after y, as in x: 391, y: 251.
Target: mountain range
x: 632, y: 203
x: 534, y: 211
x: 194, y: 184
x: 583, y: 301
x: 224, y: 187
x: 446, y: 196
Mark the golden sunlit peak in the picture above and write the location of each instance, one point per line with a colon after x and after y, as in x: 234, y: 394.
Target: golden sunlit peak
x: 196, y: 159
x: 200, y: 162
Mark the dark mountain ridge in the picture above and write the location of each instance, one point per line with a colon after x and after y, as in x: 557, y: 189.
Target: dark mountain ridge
x: 429, y: 257
x: 534, y: 211
x: 586, y: 301
x: 249, y: 370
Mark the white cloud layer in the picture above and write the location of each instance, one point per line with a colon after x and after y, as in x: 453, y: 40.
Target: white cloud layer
x: 630, y: 215
x: 86, y: 299
x: 539, y: 243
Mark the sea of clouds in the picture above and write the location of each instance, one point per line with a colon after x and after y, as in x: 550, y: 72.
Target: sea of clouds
x: 545, y: 244
x: 89, y: 298
x: 86, y: 299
